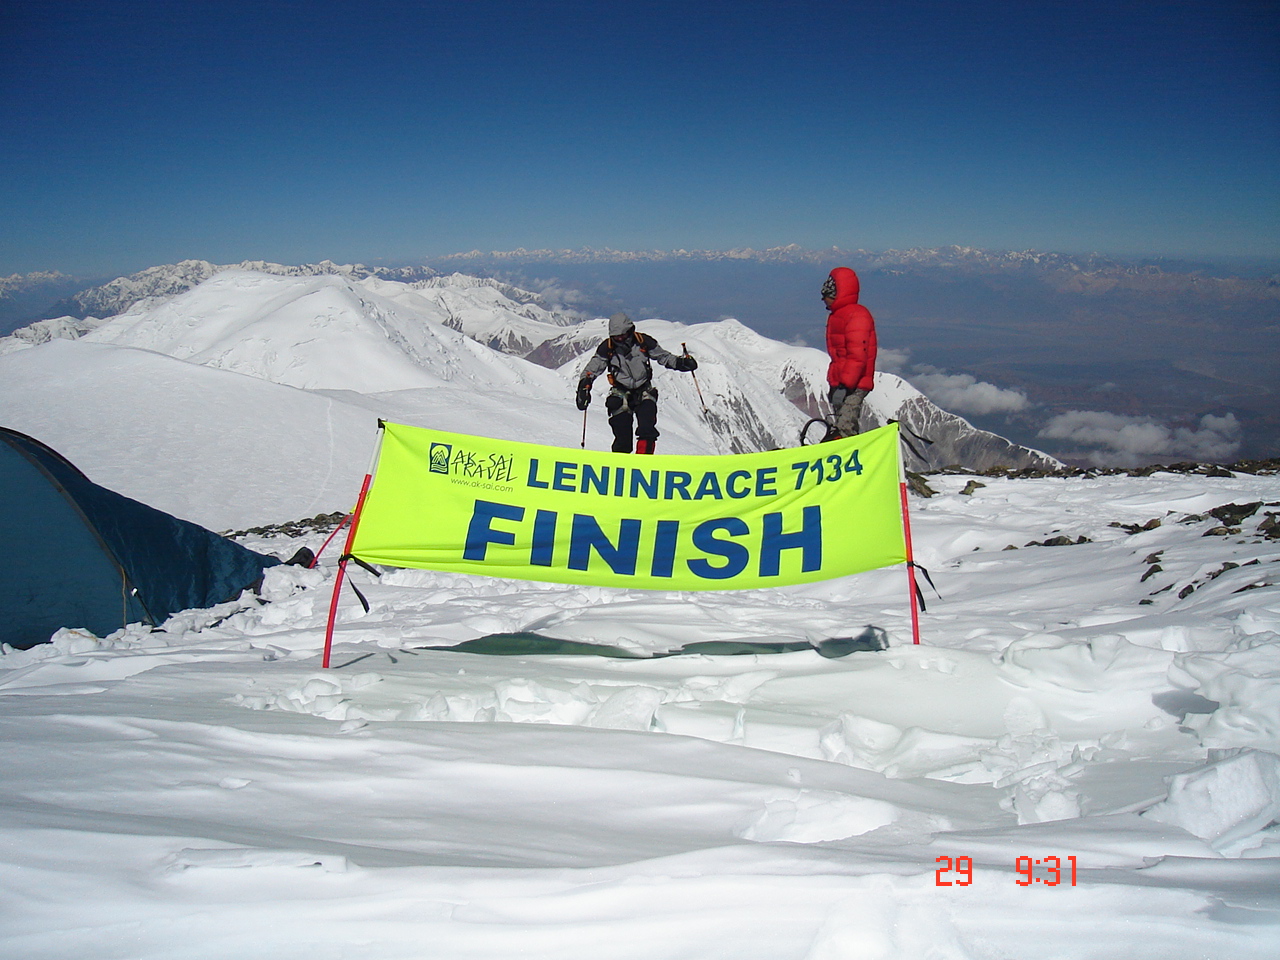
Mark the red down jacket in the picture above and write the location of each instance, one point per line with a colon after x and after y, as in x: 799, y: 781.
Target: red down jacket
x: 851, y: 335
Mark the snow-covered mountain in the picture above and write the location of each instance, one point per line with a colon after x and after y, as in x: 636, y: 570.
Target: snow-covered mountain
x: 27, y: 295
x: 161, y: 282
x: 324, y: 331
x: 209, y: 374
x: 442, y: 351
x: 156, y: 284
x: 961, y: 309
x: 1090, y: 727
x: 54, y: 328
x: 1065, y: 273
x: 939, y: 440
x: 21, y: 283
x: 1070, y: 332
x: 748, y: 371
x: 496, y: 314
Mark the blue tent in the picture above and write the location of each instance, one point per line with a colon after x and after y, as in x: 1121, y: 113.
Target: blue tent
x: 80, y: 555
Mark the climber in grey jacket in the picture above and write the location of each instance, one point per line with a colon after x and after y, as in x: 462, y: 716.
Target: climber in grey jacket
x: 625, y: 356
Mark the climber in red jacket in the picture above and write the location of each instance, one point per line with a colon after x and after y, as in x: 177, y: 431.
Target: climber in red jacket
x: 851, y: 342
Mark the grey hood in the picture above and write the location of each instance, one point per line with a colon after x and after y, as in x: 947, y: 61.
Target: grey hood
x: 620, y: 325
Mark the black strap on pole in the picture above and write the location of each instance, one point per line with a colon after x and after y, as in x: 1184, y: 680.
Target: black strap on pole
x: 919, y: 592
x: 365, y: 603
x: 919, y: 456
x: 925, y: 440
x: 919, y: 599
x: 904, y: 429
x: 360, y: 563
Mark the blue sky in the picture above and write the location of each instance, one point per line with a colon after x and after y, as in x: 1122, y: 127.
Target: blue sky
x: 138, y: 133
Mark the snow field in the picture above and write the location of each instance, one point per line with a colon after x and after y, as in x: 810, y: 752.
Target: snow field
x: 210, y: 789
x: 206, y: 790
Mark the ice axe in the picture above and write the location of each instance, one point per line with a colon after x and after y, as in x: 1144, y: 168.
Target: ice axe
x: 685, y: 348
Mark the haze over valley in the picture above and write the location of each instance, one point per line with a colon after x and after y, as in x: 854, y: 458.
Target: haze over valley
x: 1093, y: 359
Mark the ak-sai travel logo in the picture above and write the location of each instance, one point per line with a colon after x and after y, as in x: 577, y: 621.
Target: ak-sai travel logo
x: 493, y: 471
x: 441, y: 455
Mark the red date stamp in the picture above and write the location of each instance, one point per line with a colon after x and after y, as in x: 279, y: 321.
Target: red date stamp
x: 1049, y: 871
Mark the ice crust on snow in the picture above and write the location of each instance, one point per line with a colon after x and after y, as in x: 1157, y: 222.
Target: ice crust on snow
x: 207, y: 790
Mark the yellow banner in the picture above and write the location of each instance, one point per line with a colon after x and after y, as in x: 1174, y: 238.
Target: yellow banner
x: 448, y: 501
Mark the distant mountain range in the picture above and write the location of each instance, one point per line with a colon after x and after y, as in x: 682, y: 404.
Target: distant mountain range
x: 30, y: 296
x: 1161, y: 344
x: 44, y: 295
x: 1156, y: 342
x: 1067, y: 272
x: 950, y: 256
x: 461, y: 353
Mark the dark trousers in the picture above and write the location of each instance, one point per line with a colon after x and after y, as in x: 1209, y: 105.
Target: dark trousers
x: 638, y: 406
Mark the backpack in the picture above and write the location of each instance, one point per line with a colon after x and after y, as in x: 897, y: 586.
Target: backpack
x: 607, y: 347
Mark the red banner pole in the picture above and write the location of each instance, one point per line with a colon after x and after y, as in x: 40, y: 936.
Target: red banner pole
x: 911, y: 567
x: 346, y: 551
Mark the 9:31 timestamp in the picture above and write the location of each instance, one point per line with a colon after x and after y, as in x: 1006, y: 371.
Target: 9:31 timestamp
x: 1049, y: 871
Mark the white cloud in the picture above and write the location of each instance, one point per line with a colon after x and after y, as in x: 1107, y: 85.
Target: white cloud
x: 1118, y: 440
x: 563, y: 299
x: 961, y: 393
x: 892, y: 361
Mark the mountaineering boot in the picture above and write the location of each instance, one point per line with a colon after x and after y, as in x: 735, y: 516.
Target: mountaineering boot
x: 645, y: 446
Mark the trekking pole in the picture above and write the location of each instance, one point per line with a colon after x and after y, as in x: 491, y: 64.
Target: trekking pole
x: 685, y: 348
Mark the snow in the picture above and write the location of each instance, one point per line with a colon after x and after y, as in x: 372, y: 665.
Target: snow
x: 317, y: 332
x: 219, y: 448
x: 206, y: 790
x: 1225, y: 801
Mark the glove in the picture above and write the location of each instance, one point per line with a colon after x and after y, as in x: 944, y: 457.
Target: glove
x: 686, y: 364
x: 836, y: 397
x: 583, y: 399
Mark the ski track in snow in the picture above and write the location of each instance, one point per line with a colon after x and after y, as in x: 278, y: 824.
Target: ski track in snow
x: 206, y: 790
x: 331, y: 461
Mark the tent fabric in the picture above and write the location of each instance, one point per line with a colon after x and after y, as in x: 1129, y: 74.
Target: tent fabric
x: 80, y: 555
